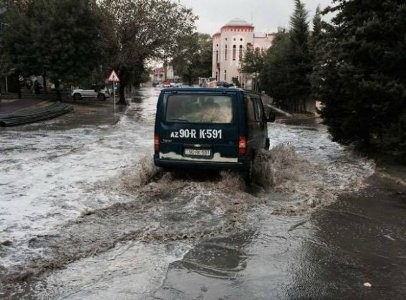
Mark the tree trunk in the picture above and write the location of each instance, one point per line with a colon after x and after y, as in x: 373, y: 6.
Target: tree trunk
x: 122, y: 74
x: 44, y: 81
x: 121, y: 91
x: 57, y: 91
x: 19, y: 88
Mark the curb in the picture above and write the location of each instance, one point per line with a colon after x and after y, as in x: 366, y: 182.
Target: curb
x: 31, y: 115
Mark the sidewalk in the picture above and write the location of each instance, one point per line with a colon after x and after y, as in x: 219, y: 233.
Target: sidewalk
x: 28, y: 110
x: 8, y: 106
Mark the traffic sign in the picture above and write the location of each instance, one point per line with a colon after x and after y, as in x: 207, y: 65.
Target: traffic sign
x: 113, y: 77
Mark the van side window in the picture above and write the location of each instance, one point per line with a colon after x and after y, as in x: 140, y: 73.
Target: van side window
x: 255, y: 108
x: 250, y: 108
x: 258, y: 109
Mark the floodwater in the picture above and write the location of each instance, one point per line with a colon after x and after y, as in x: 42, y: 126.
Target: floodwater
x: 84, y: 214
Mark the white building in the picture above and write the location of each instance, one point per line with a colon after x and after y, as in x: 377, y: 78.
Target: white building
x: 164, y: 73
x: 229, y: 46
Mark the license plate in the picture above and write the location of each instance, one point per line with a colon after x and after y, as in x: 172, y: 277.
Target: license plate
x: 197, y: 152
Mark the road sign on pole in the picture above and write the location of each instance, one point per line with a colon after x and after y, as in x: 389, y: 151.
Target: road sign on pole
x: 113, y: 77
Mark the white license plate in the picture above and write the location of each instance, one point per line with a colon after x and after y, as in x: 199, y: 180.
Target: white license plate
x: 197, y: 152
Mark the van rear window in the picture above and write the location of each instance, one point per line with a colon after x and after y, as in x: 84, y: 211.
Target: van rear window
x: 199, y: 109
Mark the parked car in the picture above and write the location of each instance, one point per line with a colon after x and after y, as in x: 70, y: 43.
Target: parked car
x: 155, y: 83
x: 166, y: 84
x: 224, y: 84
x: 206, y: 128
x: 102, y: 94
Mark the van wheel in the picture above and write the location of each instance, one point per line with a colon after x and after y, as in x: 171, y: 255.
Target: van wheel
x: 267, y: 144
x: 248, y: 173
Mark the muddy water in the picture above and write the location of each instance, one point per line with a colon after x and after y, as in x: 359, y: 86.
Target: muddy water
x: 86, y: 215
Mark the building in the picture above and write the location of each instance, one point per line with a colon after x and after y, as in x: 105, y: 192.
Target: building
x: 164, y: 73
x: 229, y: 46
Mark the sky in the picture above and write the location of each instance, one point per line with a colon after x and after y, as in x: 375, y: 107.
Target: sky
x: 265, y: 15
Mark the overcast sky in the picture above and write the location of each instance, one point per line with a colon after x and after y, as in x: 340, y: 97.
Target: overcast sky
x: 265, y: 15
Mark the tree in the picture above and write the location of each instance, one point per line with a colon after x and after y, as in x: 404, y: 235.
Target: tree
x: 5, y: 63
x: 143, y: 30
x: 317, y: 53
x: 287, y: 68
x: 299, y: 58
x: 253, y: 63
x: 362, y: 77
x: 55, y: 38
x: 194, y: 57
x: 317, y: 25
x: 275, y: 75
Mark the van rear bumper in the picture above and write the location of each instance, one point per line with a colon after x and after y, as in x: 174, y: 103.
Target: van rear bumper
x: 201, y: 165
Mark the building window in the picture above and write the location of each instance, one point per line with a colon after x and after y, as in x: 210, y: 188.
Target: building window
x: 241, y: 40
x: 225, y: 52
x: 240, y: 53
x: 217, y: 56
x: 234, y: 51
x: 216, y: 76
x: 225, y: 75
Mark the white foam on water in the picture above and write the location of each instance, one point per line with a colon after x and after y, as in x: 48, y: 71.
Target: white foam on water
x: 46, y: 177
x: 309, y: 168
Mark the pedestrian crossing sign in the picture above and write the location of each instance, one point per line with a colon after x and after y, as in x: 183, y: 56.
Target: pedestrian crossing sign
x: 113, y: 77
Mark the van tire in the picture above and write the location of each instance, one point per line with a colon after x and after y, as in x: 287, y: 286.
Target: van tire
x: 267, y: 144
x: 248, y: 173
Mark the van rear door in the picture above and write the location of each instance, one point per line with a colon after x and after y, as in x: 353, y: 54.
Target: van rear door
x: 257, y: 127
x: 198, y: 127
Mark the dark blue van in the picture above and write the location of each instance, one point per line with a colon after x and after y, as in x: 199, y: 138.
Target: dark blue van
x: 209, y: 128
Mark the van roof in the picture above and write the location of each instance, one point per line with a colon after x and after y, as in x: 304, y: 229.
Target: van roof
x: 201, y: 89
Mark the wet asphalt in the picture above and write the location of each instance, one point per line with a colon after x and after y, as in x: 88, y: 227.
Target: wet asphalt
x: 354, y: 248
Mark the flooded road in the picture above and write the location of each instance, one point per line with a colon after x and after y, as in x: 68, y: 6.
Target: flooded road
x: 85, y: 215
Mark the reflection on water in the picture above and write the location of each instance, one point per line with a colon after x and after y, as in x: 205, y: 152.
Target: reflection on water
x: 358, y: 241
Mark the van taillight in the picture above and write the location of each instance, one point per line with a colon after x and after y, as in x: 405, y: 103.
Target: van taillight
x: 242, y: 145
x: 156, y: 143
